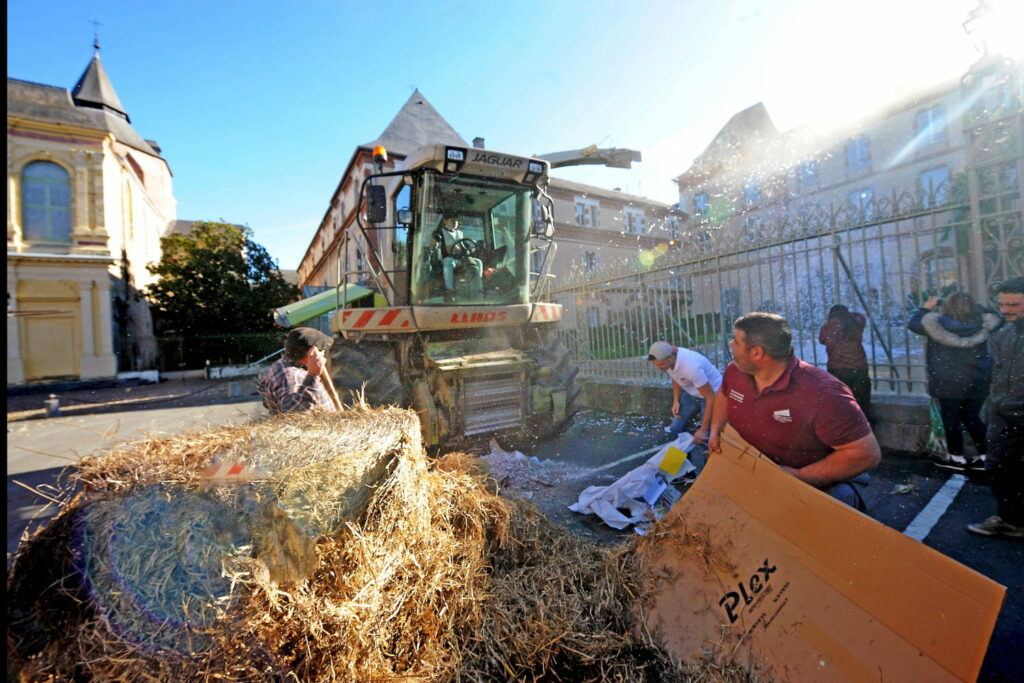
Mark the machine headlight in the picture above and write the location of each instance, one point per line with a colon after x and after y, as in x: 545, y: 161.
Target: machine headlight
x: 454, y: 158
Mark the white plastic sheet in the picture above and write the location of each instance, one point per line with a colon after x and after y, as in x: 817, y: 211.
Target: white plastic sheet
x: 631, y: 499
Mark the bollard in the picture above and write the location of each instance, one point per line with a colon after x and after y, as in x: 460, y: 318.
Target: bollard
x: 234, y: 389
x: 52, y: 406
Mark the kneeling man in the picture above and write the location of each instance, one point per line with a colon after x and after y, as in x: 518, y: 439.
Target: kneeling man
x: 800, y: 416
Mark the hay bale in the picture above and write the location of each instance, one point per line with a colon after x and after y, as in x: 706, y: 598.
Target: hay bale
x: 421, y: 571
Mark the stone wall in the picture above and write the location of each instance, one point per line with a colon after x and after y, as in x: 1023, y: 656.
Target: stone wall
x: 901, y: 423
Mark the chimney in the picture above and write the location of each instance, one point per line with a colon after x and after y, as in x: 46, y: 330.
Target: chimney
x: 478, y: 143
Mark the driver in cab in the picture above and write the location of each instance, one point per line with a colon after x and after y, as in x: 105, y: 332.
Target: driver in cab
x: 456, y: 249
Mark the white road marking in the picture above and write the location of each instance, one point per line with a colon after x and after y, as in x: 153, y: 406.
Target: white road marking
x: 621, y: 460
x: 936, y: 507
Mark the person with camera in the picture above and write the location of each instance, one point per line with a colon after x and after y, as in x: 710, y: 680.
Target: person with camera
x: 959, y: 370
x: 298, y: 380
x: 842, y: 336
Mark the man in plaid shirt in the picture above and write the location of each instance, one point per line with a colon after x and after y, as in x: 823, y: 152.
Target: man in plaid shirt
x: 294, y: 382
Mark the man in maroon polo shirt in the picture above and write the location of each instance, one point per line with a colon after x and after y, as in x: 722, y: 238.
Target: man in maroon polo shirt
x: 801, y: 417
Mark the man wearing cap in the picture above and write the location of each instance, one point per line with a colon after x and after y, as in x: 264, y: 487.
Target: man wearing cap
x: 801, y: 417
x: 295, y: 382
x: 690, y: 372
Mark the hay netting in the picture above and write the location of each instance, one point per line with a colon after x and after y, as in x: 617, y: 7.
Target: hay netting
x: 353, y: 557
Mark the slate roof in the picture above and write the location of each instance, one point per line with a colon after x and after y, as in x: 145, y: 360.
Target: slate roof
x: 416, y: 124
x: 745, y: 134
x: 51, y: 104
x: 95, y: 90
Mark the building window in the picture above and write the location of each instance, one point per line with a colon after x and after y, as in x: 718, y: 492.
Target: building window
x: 751, y: 192
x: 587, y: 212
x: 634, y: 220
x: 807, y: 174
x: 934, y: 184
x: 862, y: 204
x: 930, y: 126
x: 46, y: 202
x: 858, y: 154
x: 591, y: 261
x: 704, y: 243
x: 673, y: 227
x: 700, y: 204
x: 753, y: 229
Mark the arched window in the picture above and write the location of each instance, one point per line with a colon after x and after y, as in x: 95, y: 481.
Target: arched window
x: 45, y: 202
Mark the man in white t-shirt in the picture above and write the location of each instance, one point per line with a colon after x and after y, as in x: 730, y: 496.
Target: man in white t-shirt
x: 690, y: 372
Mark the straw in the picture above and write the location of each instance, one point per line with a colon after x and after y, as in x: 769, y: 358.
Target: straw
x: 352, y: 557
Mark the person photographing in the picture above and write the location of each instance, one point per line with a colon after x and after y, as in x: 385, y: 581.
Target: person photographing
x: 298, y: 380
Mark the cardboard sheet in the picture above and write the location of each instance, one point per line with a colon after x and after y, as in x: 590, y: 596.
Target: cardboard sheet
x: 754, y: 564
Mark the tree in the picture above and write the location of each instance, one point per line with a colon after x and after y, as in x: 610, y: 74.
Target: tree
x: 216, y: 281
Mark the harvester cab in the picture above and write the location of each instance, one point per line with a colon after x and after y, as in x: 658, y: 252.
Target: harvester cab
x: 455, y: 246
x: 460, y: 223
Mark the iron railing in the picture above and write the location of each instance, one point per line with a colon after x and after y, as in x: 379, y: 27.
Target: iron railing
x: 196, y: 352
x: 883, y: 258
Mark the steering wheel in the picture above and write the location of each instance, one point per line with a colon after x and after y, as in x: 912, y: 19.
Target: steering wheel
x: 464, y: 248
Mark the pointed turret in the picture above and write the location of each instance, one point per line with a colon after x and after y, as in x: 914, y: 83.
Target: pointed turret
x: 416, y: 124
x: 95, y: 90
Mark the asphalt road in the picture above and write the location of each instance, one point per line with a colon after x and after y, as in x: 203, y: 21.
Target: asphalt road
x: 601, y: 446
x: 901, y: 487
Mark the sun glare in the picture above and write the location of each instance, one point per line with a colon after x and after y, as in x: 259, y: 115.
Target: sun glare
x: 999, y: 29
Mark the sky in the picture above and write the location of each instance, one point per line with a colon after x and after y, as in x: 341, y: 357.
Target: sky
x: 259, y: 105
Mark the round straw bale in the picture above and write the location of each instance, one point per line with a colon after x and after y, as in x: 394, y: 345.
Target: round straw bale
x: 352, y: 557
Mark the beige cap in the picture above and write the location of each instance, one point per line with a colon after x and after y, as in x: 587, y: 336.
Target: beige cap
x: 660, y: 350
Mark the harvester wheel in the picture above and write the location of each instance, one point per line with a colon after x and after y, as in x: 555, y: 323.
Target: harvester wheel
x: 561, y: 375
x: 374, y: 364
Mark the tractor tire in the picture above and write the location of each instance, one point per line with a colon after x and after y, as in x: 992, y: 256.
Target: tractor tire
x: 371, y: 363
x: 552, y: 354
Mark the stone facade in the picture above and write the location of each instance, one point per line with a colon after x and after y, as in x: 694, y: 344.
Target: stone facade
x: 77, y: 253
x: 596, y: 228
x: 752, y: 178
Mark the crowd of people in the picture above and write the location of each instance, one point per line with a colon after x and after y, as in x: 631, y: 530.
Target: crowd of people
x: 814, y: 423
x: 811, y: 422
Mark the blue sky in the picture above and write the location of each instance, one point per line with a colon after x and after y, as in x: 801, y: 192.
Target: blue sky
x: 258, y: 105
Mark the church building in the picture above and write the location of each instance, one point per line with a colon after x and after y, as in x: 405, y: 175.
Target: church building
x: 88, y: 200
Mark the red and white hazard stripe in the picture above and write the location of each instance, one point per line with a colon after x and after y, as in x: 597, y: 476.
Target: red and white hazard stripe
x: 546, y: 313
x: 376, y: 318
x: 232, y: 471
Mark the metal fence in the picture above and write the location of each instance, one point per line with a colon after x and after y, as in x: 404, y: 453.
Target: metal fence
x: 883, y: 258
x: 193, y: 353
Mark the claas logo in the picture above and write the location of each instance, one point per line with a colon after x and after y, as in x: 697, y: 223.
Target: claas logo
x: 479, y: 317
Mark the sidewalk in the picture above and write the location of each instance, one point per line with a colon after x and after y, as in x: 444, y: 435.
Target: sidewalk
x: 172, y: 393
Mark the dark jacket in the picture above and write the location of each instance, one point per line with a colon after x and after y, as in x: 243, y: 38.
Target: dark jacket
x: 956, y: 355
x: 1007, y: 396
x: 844, y: 353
